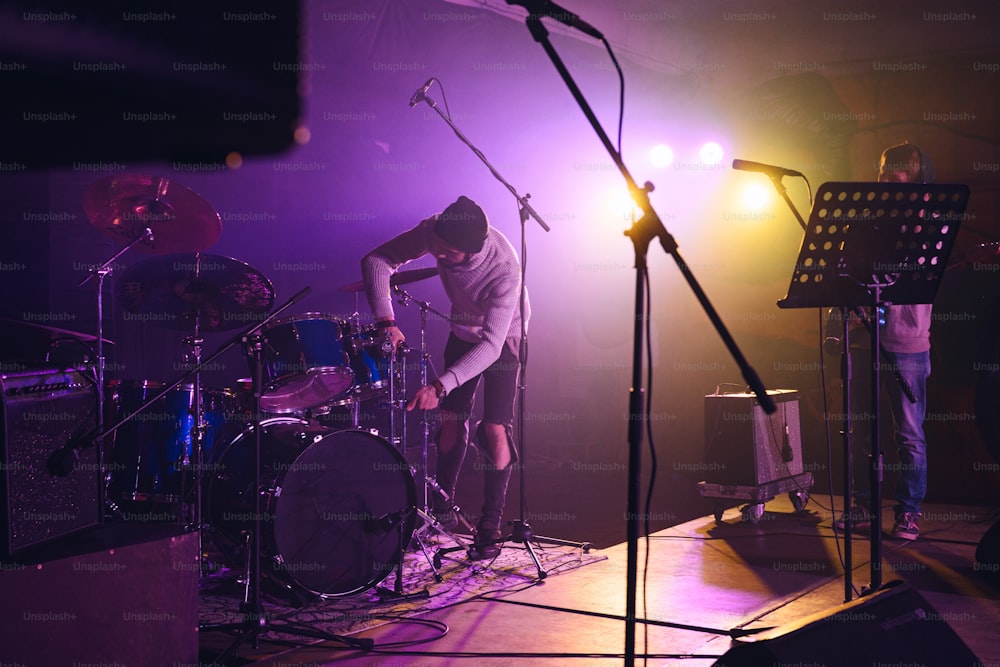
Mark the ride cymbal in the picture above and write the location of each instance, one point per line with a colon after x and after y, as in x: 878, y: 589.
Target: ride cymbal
x: 176, y: 291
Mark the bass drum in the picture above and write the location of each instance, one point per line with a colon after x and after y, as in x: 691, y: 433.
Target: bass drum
x: 337, y: 507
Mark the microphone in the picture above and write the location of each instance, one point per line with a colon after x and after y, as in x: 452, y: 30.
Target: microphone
x: 770, y: 170
x: 557, y: 13
x: 418, y: 96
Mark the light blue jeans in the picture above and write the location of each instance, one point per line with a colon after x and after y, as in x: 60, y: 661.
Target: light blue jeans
x: 908, y: 422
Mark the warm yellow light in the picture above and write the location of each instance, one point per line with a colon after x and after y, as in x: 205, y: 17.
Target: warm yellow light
x: 622, y: 206
x: 756, y: 197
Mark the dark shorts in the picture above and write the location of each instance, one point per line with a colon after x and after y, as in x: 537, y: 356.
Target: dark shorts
x: 499, y: 380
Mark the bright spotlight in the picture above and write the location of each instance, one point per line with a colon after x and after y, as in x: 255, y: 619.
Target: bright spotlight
x: 756, y: 196
x: 711, y: 153
x: 661, y: 156
x: 622, y: 206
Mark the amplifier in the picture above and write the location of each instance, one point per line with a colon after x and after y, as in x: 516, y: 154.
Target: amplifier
x: 745, y: 446
x: 42, y: 410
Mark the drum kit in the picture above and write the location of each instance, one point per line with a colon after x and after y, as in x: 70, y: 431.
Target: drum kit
x: 339, y: 502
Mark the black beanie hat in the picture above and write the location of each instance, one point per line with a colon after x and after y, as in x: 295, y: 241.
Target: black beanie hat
x: 463, y: 225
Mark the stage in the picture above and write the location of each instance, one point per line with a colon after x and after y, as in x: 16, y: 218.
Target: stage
x: 704, y: 583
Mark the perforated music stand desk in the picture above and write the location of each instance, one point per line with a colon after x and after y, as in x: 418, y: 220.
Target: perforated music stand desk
x: 895, y: 235
x: 875, y: 244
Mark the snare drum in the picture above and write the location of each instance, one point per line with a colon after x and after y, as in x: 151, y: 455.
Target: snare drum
x: 305, y: 363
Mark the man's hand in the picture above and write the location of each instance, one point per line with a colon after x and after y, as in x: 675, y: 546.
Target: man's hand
x: 426, y: 398
x: 394, y: 334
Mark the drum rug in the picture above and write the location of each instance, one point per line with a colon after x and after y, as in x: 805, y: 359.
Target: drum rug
x: 462, y: 580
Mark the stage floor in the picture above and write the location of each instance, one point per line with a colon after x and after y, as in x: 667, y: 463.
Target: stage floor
x: 701, y: 581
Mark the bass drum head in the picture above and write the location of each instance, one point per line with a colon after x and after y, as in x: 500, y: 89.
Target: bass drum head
x: 344, y: 514
x: 337, y: 506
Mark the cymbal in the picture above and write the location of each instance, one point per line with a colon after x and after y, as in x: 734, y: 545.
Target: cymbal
x: 177, y: 290
x: 123, y: 206
x: 398, y: 278
x: 53, y: 332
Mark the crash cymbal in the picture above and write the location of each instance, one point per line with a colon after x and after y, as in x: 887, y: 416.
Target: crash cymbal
x: 51, y: 332
x: 398, y: 278
x: 123, y: 206
x: 174, y: 291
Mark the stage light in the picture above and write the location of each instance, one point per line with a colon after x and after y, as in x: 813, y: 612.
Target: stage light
x: 711, y: 153
x: 661, y: 156
x: 755, y: 197
x: 622, y: 206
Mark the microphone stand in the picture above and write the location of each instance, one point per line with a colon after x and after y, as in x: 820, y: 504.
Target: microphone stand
x: 521, y: 532
x: 643, y: 231
x: 255, y: 621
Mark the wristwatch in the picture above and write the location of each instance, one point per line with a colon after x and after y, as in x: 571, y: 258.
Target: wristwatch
x: 439, y: 389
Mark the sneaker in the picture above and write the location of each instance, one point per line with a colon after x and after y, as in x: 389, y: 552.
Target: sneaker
x: 861, y: 519
x: 486, y: 543
x: 906, y: 526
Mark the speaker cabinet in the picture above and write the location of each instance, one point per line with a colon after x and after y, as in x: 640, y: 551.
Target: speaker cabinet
x: 120, y: 602
x: 893, y: 626
x: 41, y: 412
x: 745, y: 446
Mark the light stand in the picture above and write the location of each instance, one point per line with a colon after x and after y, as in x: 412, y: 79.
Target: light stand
x: 643, y: 231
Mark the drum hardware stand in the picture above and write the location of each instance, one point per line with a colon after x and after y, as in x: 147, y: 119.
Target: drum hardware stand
x: 68, y: 455
x: 197, y: 450
x: 422, y: 511
x: 255, y: 621
x: 521, y: 532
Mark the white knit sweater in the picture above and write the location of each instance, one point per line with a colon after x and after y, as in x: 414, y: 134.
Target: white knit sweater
x: 484, y: 294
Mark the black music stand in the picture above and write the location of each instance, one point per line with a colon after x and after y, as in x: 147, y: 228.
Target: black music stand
x: 872, y: 245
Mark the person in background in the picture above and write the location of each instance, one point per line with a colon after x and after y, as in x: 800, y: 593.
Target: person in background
x: 906, y: 344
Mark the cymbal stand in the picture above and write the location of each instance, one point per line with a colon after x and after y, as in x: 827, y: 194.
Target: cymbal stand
x: 99, y: 273
x: 192, y: 457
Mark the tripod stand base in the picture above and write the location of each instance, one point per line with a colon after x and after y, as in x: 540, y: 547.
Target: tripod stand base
x: 521, y: 533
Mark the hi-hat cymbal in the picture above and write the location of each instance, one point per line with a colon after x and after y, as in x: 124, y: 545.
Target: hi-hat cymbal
x: 176, y: 291
x: 398, y: 278
x: 123, y: 206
